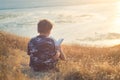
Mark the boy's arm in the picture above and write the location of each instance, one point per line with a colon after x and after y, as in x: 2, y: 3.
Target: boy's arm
x: 56, y: 56
x: 62, y: 55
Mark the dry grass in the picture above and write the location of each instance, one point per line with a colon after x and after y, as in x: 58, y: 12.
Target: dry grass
x: 84, y: 63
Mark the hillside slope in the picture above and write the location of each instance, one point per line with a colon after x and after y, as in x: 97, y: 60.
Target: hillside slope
x: 84, y: 63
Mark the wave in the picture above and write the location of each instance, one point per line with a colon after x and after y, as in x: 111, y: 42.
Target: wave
x: 99, y: 37
x: 25, y: 4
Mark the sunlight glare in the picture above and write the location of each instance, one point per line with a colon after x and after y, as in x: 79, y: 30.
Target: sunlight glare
x: 117, y: 17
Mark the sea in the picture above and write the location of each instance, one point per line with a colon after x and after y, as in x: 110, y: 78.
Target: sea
x: 83, y: 22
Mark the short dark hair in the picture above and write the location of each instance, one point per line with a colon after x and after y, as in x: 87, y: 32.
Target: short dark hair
x: 44, y: 26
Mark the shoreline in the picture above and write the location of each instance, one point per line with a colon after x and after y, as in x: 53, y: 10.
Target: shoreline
x: 68, y: 43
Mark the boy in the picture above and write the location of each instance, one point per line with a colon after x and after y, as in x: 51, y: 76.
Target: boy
x: 42, y: 50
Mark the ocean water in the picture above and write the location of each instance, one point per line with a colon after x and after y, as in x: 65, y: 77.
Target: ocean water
x: 83, y: 23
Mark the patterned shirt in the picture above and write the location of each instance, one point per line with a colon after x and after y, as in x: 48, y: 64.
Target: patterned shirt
x: 41, y: 50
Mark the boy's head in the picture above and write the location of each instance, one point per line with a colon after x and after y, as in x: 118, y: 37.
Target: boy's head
x: 44, y: 26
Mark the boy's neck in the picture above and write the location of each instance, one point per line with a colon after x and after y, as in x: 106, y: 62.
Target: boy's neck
x: 44, y: 34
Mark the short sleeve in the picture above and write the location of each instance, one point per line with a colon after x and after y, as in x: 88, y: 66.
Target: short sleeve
x: 31, y: 47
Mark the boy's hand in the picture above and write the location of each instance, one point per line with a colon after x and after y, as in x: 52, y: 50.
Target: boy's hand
x: 58, y: 48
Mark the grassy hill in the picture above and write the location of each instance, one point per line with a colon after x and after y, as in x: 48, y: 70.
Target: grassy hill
x: 84, y: 63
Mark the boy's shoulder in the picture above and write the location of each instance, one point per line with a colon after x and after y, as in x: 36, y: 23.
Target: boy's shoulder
x: 32, y: 39
x: 41, y: 39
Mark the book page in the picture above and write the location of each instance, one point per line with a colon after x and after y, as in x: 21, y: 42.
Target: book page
x: 59, y: 41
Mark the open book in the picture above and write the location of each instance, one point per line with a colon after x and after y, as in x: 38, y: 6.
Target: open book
x: 58, y: 42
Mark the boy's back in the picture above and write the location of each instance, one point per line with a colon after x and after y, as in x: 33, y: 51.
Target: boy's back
x: 41, y: 50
